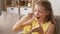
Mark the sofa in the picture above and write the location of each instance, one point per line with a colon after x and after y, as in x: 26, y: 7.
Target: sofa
x: 7, y: 20
x: 57, y: 20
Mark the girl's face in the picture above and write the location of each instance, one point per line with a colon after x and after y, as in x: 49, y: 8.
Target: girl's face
x: 40, y: 12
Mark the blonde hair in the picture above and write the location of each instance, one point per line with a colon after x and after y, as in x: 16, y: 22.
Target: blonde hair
x: 48, y: 7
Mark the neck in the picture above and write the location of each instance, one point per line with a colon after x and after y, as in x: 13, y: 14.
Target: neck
x: 41, y: 21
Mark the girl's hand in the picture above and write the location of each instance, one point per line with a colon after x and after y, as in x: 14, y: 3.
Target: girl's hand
x: 39, y: 30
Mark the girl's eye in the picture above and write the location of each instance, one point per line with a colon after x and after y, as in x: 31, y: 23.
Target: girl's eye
x: 35, y: 10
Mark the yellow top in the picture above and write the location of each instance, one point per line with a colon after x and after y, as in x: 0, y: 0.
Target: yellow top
x: 28, y: 28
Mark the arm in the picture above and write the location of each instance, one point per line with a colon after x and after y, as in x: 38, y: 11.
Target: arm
x: 51, y: 29
x: 19, y: 25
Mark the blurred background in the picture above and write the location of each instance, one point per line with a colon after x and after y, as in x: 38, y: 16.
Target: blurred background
x: 12, y: 10
x: 6, y: 4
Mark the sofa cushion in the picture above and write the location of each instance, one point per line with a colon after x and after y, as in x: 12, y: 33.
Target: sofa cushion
x: 7, y: 20
x: 57, y: 20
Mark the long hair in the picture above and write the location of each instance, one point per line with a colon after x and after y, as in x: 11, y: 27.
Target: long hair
x: 48, y: 7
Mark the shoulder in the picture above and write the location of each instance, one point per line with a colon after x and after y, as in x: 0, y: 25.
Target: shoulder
x: 51, y: 29
x: 51, y: 26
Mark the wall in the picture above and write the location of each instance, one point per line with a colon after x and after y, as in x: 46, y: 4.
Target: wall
x: 56, y: 6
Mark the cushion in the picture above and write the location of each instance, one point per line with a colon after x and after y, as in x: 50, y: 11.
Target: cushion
x: 57, y: 20
x: 7, y: 20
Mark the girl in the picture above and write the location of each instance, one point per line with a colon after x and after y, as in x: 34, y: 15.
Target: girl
x: 42, y: 21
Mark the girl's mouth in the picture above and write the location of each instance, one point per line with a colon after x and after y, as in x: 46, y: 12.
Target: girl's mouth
x: 38, y: 17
